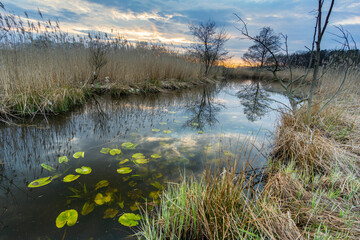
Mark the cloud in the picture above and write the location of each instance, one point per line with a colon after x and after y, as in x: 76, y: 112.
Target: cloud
x: 349, y: 21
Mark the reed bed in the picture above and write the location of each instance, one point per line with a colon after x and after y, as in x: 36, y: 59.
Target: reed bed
x: 309, y: 190
x: 44, y: 70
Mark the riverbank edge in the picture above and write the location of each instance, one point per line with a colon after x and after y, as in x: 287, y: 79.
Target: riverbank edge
x: 71, y: 98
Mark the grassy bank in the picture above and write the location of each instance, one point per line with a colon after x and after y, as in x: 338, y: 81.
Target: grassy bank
x: 44, y: 70
x: 310, y: 188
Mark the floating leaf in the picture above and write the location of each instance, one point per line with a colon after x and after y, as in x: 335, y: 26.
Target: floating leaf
x: 110, y: 213
x: 129, y: 145
x: 154, y: 195
x: 70, y: 178
x: 176, y: 121
x: 129, y: 219
x: 63, y: 159
x: 141, y: 161
x: 138, y: 155
x: 68, y: 217
x: 87, y: 208
x: 105, y: 150
x: 166, y: 131
x: 195, y: 124
x: 155, y: 130
x: 134, y: 207
x: 162, y: 123
x: 124, y: 170
x: 172, y: 112
x: 157, y: 175
x: 156, y: 155
x: 200, y: 132
x: 40, y: 182
x: 115, y: 151
x: 110, y: 191
x: 135, y: 194
x: 132, y: 184
x: 185, y: 117
x: 121, y: 204
x: 157, y: 185
x: 83, y: 170
x: 101, y: 199
x: 78, y: 155
x: 47, y: 167
x: 124, y: 161
x: 101, y: 184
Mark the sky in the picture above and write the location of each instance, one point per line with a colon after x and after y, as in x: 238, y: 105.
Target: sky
x: 168, y: 20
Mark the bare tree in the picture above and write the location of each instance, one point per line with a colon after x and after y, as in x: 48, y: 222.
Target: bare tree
x: 210, y: 47
x: 259, y: 55
x: 292, y: 84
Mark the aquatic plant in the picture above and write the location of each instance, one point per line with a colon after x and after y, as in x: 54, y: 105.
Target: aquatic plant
x: 83, y: 170
x: 40, y: 182
x: 79, y: 155
x: 124, y: 170
x: 156, y: 155
x: 47, y: 167
x: 68, y: 217
x: 129, y: 219
x: 129, y: 145
x: 70, y: 178
x: 63, y: 159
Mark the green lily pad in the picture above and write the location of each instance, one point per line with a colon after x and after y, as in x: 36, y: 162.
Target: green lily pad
x: 200, y: 132
x: 154, y: 195
x: 68, y: 217
x: 138, y: 155
x: 110, y: 213
x: 115, y: 151
x: 101, y: 184
x: 157, y: 185
x: 141, y: 161
x: 156, y: 155
x: 172, y: 112
x: 70, y: 178
x: 83, y: 170
x: 78, y: 155
x: 105, y: 150
x: 129, y: 219
x: 40, y: 182
x: 87, y: 208
x: 155, y: 130
x: 167, y: 131
x: 124, y: 170
x: 162, y: 123
x: 195, y: 124
x: 129, y: 145
x: 63, y: 159
x: 185, y: 117
x: 47, y: 167
x: 124, y: 161
x: 101, y: 199
x: 134, y: 207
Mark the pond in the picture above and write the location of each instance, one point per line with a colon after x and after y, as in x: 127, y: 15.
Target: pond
x: 113, y: 155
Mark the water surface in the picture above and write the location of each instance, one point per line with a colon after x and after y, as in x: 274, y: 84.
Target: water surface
x: 181, y: 127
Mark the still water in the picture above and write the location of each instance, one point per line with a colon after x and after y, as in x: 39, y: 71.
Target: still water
x: 173, y: 132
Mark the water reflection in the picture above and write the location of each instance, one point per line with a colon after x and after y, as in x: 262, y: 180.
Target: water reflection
x: 186, y: 125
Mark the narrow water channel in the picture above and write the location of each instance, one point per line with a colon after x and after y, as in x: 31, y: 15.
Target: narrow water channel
x: 172, y: 132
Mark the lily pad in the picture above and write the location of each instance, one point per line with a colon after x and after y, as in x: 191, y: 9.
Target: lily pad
x: 138, y: 155
x: 155, y: 130
x: 79, y: 155
x: 195, y: 124
x: 157, y: 185
x: 141, y: 161
x: 110, y: 191
x: 124, y: 161
x: 157, y: 175
x: 172, y: 112
x: 134, y: 207
x: 129, y: 219
x: 200, y: 132
x: 101, y: 184
x: 167, y: 131
x: 110, y: 213
x: 115, y: 151
x: 47, y: 167
x: 101, y: 199
x: 70, y: 178
x: 68, y: 217
x: 176, y: 121
x: 162, y: 123
x: 63, y: 159
x: 105, y: 150
x: 154, y: 195
x: 129, y: 145
x: 185, y: 117
x: 124, y: 170
x: 87, y: 208
x: 83, y: 170
x: 156, y: 155
x: 40, y: 182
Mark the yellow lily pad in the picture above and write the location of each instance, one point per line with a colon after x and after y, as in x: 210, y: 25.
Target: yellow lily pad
x: 83, y: 170
x: 124, y: 170
x: 70, y: 178
x: 101, y: 199
x: 68, y: 217
x: 79, y: 155
x: 40, y: 182
x: 110, y: 213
